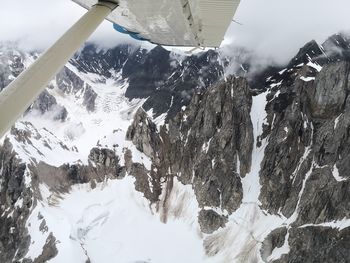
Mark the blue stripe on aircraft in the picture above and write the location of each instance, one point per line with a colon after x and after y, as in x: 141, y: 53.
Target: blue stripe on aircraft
x: 123, y: 30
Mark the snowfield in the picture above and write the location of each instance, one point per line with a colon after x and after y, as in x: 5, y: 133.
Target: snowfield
x: 113, y: 223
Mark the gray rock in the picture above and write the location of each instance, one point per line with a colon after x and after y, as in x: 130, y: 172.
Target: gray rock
x: 274, y: 240
x: 202, y: 144
x: 210, y: 221
x: 17, y: 65
x: 324, y: 199
x: 14, y: 239
x: 328, y: 96
x: 49, y: 250
x: 318, y: 244
x: 89, y: 98
x: 68, y: 82
x: 143, y: 133
x: 47, y: 103
x: 308, y: 139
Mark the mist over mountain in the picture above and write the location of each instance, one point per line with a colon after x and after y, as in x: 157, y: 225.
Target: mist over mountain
x: 136, y: 155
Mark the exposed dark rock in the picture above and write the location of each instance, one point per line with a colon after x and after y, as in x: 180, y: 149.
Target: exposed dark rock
x: 318, y: 244
x: 46, y: 103
x: 337, y: 47
x: 203, y: 144
x: 289, y: 134
x: 17, y: 65
x: 92, y: 59
x: 328, y: 95
x: 15, y: 205
x: 324, y: 199
x: 11, y: 63
x: 144, y: 134
x: 89, y: 98
x: 43, y: 227
x: 68, y: 81
x: 210, y: 221
x: 274, y: 240
x: 306, y: 157
x: 49, y: 250
x: 103, y: 163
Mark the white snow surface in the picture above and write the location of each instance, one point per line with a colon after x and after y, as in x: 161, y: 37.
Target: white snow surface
x: 336, y: 175
x: 314, y: 65
x: 337, y: 224
x: 114, y: 223
x: 307, y: 79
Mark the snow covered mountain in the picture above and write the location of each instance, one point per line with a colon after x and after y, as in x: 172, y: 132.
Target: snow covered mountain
x: 133, y: 155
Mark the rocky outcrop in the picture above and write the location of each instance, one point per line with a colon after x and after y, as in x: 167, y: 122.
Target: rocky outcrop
x: 103, y: 164
x: 210, y: 221
x: 315, y: 244
x: 144, y: 134
x: 49, y: 250
x: 208, y: 145
x: 68, y: 81
x: 46, y: 103
x: 211, y: 137
x: 16, y: 65
x: 11, y: 63
x: 329, y: 94
x: 89, y: 98
x: 274, y: 240
x: 15, y: 206
x: 303, y: 171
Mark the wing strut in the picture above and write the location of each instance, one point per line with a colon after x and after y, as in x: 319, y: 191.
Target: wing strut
x: 20, y: 93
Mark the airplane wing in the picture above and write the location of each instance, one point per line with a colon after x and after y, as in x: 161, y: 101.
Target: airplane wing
x: 193, y: 23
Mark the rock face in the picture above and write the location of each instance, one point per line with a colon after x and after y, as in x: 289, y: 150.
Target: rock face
x: 204, y: 144
x: 89, y: 98
x: 46, y: 103
x: 208, y: 145
x: 143, y: 134
x: 11, y: 64
x: 16, y: 201
x: 210, y: 221
x: 70, y: 83
x: 329, y: 95
x: 303, y: 171
x: 330, y: 245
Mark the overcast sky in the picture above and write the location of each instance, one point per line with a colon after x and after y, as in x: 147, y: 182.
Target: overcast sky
x: 272, y: 28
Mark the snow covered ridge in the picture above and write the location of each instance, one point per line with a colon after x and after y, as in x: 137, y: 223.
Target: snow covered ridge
x: 232, y: 178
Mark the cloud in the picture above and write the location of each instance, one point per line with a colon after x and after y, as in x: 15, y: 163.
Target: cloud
x: 273, y: 29
x: 276, y: 29
x: 37, y: 24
